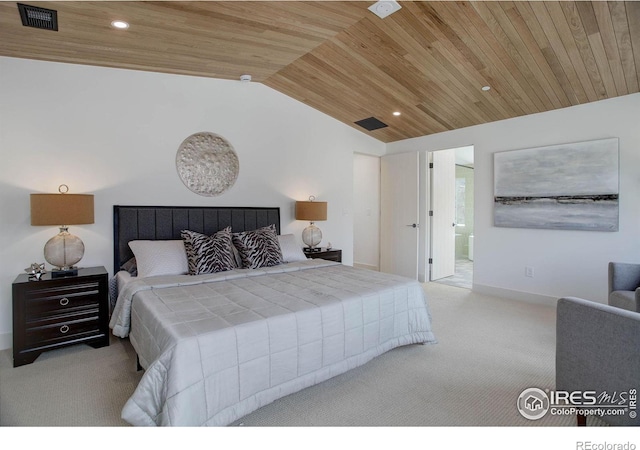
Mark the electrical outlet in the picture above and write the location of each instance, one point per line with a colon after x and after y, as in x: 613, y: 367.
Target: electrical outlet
x: 528, y: 272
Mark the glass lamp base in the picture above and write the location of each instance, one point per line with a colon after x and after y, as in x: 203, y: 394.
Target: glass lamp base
x: 311, y: 235
x: 63, y: 251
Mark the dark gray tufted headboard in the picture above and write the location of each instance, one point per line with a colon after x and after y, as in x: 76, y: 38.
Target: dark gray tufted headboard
x: 166, y: 222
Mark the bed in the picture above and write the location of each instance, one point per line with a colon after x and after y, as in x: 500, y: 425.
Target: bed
x: 217, y: 346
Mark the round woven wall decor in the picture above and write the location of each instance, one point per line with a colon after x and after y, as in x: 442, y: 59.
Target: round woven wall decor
x: 207, y: 164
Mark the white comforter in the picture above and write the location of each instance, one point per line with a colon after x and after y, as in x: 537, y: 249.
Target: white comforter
x: 217, y: 347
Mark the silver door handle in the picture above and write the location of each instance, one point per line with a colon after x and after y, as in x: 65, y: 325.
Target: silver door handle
x: 414, y: 225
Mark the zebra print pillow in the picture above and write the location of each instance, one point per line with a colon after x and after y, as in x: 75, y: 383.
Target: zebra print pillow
x: 208, y: 254
x: 258, y: 248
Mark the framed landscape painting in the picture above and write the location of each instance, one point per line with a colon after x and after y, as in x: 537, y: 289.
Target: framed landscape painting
x: 565, y: 187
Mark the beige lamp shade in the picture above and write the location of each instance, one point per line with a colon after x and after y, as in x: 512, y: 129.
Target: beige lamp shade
x: 311, y: 211
x: 61, y: 209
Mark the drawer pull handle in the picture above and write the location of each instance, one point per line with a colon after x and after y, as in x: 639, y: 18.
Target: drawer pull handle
x: 64, y: 329
x: 64, y: 301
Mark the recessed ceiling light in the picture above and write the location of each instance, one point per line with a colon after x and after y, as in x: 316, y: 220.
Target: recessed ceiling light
x: 383, y: 8
x: 120, y: 24
x: 486, y: 88
x: 396, y: 113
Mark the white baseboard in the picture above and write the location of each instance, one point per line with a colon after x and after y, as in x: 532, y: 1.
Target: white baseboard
x: 515, y: 295
x: 6, y: 341
x: 366, y: 266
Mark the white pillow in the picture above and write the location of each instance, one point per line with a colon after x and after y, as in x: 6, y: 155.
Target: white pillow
x: 160, y: 257
x: 291, y: 251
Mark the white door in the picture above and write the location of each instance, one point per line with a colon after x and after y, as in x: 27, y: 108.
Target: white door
x: 399, y: 214
x: 443, y: 202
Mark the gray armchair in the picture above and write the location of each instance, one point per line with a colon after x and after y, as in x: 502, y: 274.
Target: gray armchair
x: 624, y: 285
x: 598, y: 349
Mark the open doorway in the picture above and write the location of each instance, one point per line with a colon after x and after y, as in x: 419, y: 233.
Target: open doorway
x: 452, y: 180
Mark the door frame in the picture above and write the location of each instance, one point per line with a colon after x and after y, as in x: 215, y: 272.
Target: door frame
x: 424, y: 201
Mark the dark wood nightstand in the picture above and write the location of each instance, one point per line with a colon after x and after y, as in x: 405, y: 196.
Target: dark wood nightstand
x: 333, y: 254
x: 56, y: 312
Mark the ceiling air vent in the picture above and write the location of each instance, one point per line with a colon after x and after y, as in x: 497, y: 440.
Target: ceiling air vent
x: 371, y: 124
x: 34, y: 16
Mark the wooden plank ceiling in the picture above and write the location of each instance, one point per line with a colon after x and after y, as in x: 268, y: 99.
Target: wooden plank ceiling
x: 427, y: 61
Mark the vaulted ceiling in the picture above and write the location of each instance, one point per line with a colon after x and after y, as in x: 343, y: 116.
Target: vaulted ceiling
x: 428, y: 61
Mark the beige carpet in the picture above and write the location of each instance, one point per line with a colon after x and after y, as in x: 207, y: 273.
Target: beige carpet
x: 74, y: 386
x: 489, y: 351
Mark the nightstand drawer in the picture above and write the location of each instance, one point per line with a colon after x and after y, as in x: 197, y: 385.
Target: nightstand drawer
x: 63, y: 329
x: 40, y: 303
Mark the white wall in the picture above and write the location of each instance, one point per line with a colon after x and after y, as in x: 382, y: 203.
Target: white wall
x: 565, y: 262
x: 366, y: 211
x: 115, y: 133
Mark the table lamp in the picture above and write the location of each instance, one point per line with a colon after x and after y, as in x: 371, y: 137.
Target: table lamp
x: 311, y: 211
x: 63, y: 250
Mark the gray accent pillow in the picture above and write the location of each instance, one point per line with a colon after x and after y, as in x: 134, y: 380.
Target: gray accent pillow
x: 236, y: 256
x: 131, y: 267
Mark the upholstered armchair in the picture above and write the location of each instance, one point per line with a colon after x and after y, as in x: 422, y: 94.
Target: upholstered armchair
x: 598, y: 349
x: 624, y: 285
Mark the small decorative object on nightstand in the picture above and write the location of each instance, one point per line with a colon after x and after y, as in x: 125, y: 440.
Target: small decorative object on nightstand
x: 57, y: 312
x: 330, y: 254
x: 35, y: 271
